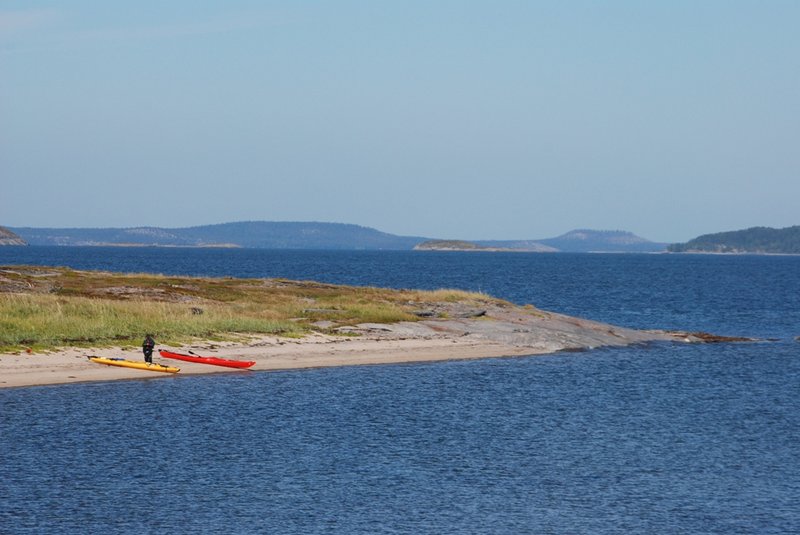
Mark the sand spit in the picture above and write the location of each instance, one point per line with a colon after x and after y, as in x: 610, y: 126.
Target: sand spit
x: 491, y: 332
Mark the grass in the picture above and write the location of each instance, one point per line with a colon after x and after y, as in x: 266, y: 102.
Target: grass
x: 46, y: 321
x: 44, y: 308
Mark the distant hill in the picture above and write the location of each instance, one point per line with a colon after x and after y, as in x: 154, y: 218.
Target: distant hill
x: 751, y: 240
x: 606, y: 241
x: 249, y: 234
x: 9, y: 238
x: 586, y: 241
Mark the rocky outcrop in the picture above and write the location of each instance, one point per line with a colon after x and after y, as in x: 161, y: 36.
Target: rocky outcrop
x: 9, y: 238
x: 523, y: 327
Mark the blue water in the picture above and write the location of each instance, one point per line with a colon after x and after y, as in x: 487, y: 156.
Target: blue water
x: 658, y: 439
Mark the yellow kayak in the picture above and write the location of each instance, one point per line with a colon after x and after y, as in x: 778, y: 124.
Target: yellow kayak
x: 111, y: 361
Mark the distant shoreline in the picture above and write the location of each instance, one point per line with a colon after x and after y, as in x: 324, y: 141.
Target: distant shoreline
x: 717, y: 253
x: 323, y: 236
x: 420, y: 250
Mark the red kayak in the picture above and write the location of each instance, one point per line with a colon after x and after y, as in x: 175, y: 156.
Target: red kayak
x: 216, y: 361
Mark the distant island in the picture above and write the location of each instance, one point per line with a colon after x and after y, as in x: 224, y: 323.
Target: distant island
x: 755, y: 240
x: 457, y: 245
x: 325, y: 236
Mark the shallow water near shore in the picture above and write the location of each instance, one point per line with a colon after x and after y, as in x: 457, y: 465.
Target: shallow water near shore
x: 661, y: 439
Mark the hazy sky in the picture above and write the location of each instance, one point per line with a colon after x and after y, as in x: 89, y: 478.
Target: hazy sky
x: 473, y: 120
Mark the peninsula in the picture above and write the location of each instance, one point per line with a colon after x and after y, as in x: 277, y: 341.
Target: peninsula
x: 56, y: 317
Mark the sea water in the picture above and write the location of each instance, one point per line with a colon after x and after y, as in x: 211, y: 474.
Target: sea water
x: 657, y: 439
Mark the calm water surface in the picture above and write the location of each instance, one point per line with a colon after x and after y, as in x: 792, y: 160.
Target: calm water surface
x: 660, y: 439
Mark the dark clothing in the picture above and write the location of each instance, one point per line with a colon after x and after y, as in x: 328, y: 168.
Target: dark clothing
x: 147, y: 348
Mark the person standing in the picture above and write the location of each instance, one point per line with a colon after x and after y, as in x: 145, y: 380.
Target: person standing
x: 147, y: 348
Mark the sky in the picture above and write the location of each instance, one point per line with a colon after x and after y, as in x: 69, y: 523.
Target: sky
x: 443, y: 119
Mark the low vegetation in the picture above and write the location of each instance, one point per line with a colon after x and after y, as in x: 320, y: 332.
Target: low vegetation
x: 43, y: 308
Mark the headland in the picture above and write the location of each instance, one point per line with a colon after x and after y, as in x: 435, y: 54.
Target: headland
x: 279, y: 324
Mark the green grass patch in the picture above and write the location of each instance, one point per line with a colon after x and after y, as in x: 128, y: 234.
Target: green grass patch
x: 51, y: 321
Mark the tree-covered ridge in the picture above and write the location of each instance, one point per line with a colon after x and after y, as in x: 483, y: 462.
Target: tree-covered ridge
x: 248, y: 234
x: 751, y: 240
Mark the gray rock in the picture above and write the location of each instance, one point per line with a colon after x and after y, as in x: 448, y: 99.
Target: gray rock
x: 523, y: 327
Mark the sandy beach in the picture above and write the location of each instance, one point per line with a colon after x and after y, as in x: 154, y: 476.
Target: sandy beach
x: 497, y: 332
x: 71, y: 365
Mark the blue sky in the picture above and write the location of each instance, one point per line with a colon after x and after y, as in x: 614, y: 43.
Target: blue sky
x: 472, y: 120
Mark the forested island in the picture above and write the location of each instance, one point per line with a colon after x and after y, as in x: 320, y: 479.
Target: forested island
x: 245, y: 234
x: 755, y: 240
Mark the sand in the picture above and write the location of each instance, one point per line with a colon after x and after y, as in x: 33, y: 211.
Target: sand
x: 72, y: 366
